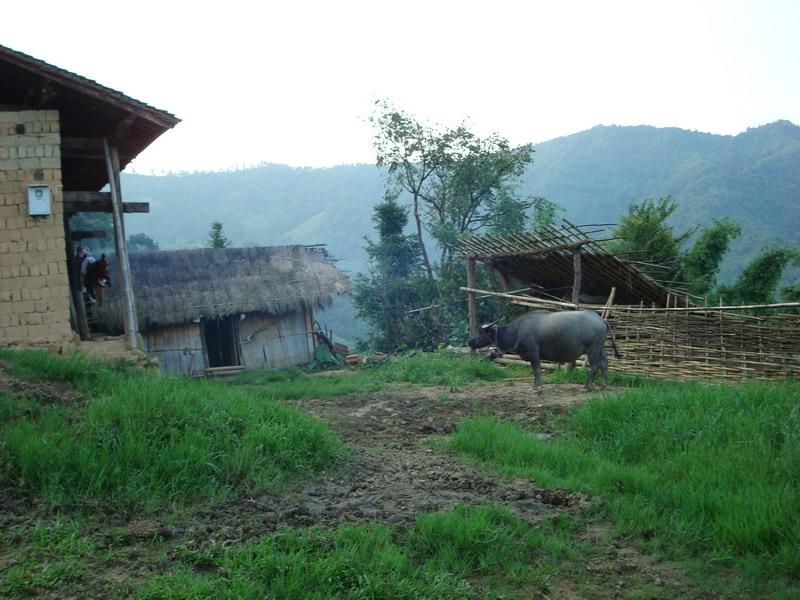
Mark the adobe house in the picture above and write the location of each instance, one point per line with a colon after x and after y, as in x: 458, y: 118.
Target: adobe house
x: 63, y: 138
x: 221, y: 310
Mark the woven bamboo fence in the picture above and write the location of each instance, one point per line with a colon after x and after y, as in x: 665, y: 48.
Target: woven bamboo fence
x: 696, y: 343
x: 713, y: 345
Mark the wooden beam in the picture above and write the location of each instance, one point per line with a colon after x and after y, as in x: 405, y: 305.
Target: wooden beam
x: 89, y: 148
x: 75, y: 202
x: 123, y: 265
x: 77, y: 236
x: 471, y: 303
x: 495, y: 255
x: 576, y: 275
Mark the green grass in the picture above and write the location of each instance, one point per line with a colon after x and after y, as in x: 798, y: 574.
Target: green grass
x: 442, y: 368
x: 711, y: 471
x: 442, y: 556
x: 143, y: 441
x: 53, y: 555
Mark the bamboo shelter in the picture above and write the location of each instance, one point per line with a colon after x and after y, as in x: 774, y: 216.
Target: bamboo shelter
x: 220, y: 308
x: 658, y: 330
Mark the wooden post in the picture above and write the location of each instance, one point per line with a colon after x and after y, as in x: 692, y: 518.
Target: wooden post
x: 576, y: 287
x: 472, y: 307
x: 77, y: 308
x: 576, y: 281
x: 121, y: 246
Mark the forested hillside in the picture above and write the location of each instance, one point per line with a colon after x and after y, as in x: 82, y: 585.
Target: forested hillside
x: 753, y: 177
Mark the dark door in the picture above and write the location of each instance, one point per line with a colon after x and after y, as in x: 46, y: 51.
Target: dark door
x: 222, y: 341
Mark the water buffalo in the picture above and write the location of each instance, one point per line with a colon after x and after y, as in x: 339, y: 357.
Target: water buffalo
x: 554, y: 336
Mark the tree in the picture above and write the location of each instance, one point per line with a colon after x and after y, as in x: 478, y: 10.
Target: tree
x: 645, y: 236
x: 459, y: 182
x: 216, y: 239
x: 700, y: 264
x: 758, y: 282
x: 544, y: 213
x: 141, y: 242
x: 395, y: 283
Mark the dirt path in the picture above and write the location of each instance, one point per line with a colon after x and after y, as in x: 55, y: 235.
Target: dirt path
x: 395, y: 473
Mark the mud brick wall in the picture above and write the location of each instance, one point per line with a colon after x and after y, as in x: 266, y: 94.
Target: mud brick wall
x: 34, y: 288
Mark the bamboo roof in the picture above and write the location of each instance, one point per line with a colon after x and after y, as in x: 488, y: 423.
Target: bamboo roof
x: 179, y: 286
x: 545, y: 260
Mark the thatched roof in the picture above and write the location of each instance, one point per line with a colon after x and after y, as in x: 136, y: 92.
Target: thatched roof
x: 178, y: 286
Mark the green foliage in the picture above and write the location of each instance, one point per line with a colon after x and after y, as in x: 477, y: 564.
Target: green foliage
x: 442, y: 367
x: 217, y: 239
x: 55, y: 554
x: 144, y: 439
x: 706, y: 469
x: 757, y: 283
x: 394, y: 285
x: 544, y: 213
x: 459, y: 183
x: 351, y: 562
x: 646, y: 236
x: 141, y: 242
x: 700, y: 264
x: 447, y: 555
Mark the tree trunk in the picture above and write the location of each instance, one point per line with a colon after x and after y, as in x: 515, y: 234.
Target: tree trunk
x: 425, y: 259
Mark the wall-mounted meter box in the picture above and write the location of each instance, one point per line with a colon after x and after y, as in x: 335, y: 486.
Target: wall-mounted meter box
x: 39, y: 201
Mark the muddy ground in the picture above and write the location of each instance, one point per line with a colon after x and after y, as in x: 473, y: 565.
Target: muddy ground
x: 395, y: 473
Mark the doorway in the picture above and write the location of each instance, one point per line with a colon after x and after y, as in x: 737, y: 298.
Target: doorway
x: 221, y: 340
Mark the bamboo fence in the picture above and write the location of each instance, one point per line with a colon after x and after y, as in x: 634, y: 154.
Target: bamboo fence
x: 711, y: 345
x: 696, y: 343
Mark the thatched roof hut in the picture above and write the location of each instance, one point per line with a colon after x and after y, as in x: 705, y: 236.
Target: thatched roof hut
x: 207, y: 309
x: 177, y: 286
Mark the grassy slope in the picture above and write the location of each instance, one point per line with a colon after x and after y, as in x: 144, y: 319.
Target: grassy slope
x: 144, y: 441
x: 688, y: 469
x: 707, y: 471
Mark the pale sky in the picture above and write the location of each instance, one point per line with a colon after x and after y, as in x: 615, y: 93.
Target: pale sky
x: 293, y: 82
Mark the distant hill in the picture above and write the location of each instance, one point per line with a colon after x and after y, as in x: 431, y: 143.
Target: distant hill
x: 753, y: 177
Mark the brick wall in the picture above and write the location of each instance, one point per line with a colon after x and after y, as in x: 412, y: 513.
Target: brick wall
x: 34, y: 288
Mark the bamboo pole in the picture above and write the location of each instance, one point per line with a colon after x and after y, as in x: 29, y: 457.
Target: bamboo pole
x: 471, y: 302
x: 128, y: 302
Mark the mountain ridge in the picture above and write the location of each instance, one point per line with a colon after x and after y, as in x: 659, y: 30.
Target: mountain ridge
x: 752, y: 177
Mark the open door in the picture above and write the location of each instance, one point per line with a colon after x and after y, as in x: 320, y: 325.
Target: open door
x: 221, y: 340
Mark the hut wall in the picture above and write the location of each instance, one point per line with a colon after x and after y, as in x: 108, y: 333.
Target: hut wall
x: 178, y: 348
x: 34, y: 286
x: 275, y: 342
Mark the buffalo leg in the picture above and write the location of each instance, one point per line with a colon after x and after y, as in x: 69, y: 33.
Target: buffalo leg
x: 537, y: 374
x: 598, y: 362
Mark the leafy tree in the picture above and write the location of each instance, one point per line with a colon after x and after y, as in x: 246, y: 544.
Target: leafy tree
x: 758, y: 282
x: 700, y: 264
x: 141, y: 242
x: 544, y: 213
x: 459, y: 182
x: 645, y: 236
x: 217, y: 239
x: 791, y: 293
x: 394, y: 284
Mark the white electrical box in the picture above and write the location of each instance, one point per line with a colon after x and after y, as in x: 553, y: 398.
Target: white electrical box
x: 39, y: 201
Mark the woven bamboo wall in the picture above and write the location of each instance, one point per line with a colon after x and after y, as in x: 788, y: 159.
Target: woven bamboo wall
x: 706, y: 345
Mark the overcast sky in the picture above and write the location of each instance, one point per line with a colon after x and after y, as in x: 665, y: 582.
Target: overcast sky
x: 292, y: 82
